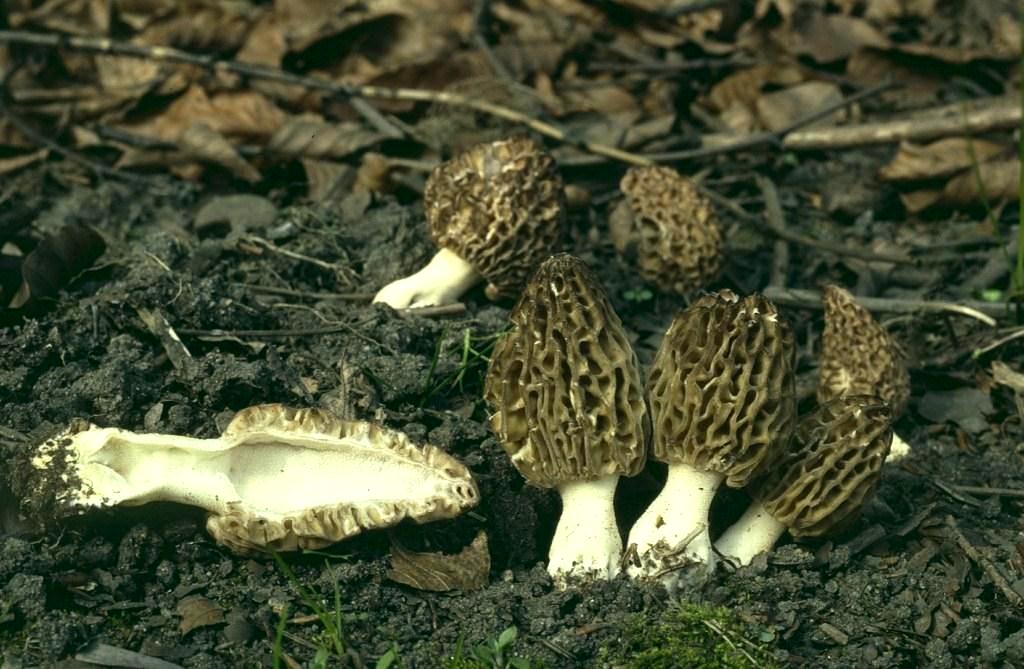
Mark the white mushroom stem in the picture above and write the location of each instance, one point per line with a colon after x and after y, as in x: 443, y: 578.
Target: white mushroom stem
x: 442, y: 281
x: 899, y: 449
x: 754, y: 533
x: 673, y: 532
x: 586, y: 541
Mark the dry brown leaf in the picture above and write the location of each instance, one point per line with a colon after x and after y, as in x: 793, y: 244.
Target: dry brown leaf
x: 232, y: 114
x: 744, y: 86
x: 779, y: 109
x: 312, y: 137
x: 827, y: 38
x: 998, y: 180
x: 75, y: 17
x: 126, y: 76
x: 197, y: 612
x: 321, y: 177
x: 938, y: 159
x: 203, y: 143
x: 15, y: 163
x: 917, y: 85
x: 919, y: 200
x: 437, y: 572
x: 882, y: 11
x: 207, y: 28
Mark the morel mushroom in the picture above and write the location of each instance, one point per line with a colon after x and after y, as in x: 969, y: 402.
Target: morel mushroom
x: 495, y: 212
x: 667, y: 228
x: 277, y: 478
x: 569, y: 410
x: 821, y: 482
x: 723, y: 404
x: 860, y: 357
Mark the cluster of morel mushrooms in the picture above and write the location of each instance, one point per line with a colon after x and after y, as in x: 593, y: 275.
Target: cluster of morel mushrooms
x: 569, y: 404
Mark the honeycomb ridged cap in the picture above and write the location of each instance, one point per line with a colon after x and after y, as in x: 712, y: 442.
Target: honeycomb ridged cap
x: 832, y: 467
x: 668, y: 229
x: 721, y: 387
x: 564, y: 384
x: 858, y: 355
x: 500, y: 207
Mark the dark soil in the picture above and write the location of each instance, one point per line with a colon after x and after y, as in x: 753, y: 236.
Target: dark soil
x: 899, y: 589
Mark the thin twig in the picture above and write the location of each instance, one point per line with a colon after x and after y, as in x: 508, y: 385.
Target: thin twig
x: 777, y: 221
x: 810, y: 242
x: 171, y: 55
x: 715, y: 145
x: 810, y: 299
x: 481, y: 14
x: 990, y: 492
x: 976, y: 556
x: 310, y: 295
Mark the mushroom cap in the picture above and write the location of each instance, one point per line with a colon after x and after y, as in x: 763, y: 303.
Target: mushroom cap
x: 500, y: 207
x: 722, y: 388
x: 832, y: 467
x: 859, y: 356
x: 565, y: 384
x: 667, y: 228
x: 447, y: 488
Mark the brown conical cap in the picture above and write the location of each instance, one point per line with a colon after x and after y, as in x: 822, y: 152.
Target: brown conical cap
x: 564, y: 384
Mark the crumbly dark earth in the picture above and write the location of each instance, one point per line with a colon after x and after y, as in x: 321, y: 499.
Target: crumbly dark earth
x: 909, y: 585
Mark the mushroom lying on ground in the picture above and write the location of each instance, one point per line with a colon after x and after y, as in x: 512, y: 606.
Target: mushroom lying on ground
x: 821, y: 483
x: 723, y: 404
x: 667, y: 228
x: 569, y: 410
x: 860, y: 357
x: 495, y: 212
x: 278, y: 478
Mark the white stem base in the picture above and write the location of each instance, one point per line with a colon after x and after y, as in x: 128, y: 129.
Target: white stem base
x: 443, y: 281
x: 671, y: 538
x: 586, y: 542
x: 899, y: 450
x: 754, y: 533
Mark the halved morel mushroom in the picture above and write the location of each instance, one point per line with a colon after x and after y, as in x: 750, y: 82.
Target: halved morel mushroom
x: 569, y: 410
x: 821, y: 482
x: 667, y: 228
x: 277, y: 478
x: 860, y: 357
x: 723, y: 405
x: 495, y: 212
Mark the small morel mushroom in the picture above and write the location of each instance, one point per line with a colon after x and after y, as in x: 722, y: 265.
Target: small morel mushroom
x: 860, y: 357
x: 569, y: 410
x: 278, y: 478
x: 495, y: 212
x: 723, y: 404
x: 822, y: 481
x: 667, y: 228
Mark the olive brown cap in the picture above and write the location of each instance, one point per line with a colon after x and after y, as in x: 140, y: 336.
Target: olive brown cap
x: 501, y: 208
x: 667, y: 228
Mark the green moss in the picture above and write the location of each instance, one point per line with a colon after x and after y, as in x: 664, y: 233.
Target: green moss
x: 692, y: 636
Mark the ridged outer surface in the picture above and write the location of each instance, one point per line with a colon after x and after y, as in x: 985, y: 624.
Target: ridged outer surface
x: 564, y: 384
x: 721, y: 387
x: 667, y: 228
x: 500, y: 207
x: 831, y: 469
x: 859, y: 356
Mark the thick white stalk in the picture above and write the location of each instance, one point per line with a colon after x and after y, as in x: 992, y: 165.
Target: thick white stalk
x: 442, y: 281
x: 671, y: 537
x: 586, y: 542
x: 899, y: 450
x: 754, y: 533
x: 122, y: 467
